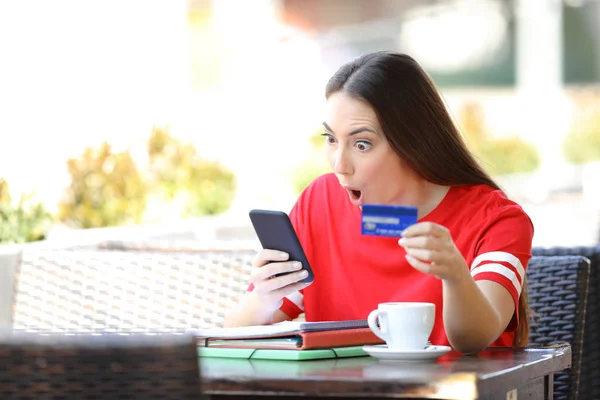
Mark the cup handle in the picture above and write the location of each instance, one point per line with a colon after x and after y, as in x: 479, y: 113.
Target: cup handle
x: 372, y: 320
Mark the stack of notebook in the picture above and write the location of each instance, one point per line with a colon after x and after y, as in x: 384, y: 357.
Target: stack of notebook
x: 288, y: 340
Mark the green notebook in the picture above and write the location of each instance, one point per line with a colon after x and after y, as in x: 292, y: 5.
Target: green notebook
x: 282, y: 368
x: 277, y: 354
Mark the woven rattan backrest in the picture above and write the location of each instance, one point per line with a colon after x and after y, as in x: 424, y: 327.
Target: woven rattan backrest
x: 117, y: 290
x: 589, y: 380
x: 558, y: 288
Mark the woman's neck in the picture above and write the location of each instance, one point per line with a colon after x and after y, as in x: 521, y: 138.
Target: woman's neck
x: 435, y: 197
x: 424, y: 195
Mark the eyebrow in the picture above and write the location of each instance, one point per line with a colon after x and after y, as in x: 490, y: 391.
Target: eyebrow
x: 354, y: 132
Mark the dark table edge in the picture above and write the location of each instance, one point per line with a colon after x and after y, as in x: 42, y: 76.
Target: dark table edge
x: 560, y: 360
x: 458, y: 385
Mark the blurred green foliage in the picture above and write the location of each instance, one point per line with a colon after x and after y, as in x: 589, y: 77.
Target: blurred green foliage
x: 314, y: 166
x: 178, y: 171
x: 26, y: 221
x: 110, y: 189
x: 499, y: 156
x: 4, y: 192
x: 582, y: 144
x: 107, y: 189
x: 307, y: 172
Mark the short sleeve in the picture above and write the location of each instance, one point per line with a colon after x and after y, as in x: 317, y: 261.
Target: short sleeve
x: 293, y: 305
x: 504, y: 252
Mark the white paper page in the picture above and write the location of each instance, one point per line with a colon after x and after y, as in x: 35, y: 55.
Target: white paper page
x: 280, y: 327
x: 249, y: 331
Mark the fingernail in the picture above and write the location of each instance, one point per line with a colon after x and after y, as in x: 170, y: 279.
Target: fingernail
x: 296, y: 265
x: 410, y: 258
x: 283, y: 255
x: 303, y: 274
x: 401, y: 241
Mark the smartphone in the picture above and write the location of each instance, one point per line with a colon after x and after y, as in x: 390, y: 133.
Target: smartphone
x: 276, y: 232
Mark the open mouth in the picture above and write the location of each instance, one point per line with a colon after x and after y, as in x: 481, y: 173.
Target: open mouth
x: 356, y: 194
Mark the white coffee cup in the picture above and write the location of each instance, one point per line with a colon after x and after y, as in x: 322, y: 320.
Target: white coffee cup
x: 403, y: 326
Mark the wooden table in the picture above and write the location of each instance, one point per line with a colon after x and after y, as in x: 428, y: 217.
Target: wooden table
x: 497, y: 373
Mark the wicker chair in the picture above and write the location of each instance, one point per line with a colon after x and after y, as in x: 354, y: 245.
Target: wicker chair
x: 558, y: 288
x: 589, y: 380
x: 145, y: 290
x: 48, y: 367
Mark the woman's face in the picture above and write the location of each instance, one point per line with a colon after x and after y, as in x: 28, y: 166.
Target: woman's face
x: 359, y: 154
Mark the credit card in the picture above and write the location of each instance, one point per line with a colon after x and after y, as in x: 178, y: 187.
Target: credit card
x: 384, y: 220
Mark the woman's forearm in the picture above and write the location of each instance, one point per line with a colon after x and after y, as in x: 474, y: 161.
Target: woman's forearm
x: 470, y: 320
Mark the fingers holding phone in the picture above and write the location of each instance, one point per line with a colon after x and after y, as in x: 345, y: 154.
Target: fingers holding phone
x: 275, y: 277
x: 275, y: 231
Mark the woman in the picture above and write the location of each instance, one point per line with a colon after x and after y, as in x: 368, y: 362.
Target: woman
x: 390, y: 140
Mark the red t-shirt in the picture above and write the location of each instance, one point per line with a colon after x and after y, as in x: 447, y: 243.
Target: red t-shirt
x: 354, y: 272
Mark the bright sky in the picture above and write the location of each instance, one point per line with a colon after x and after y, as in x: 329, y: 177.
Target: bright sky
x: 76, y: 73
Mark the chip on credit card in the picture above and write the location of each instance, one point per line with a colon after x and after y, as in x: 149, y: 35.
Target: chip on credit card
x: 386, y: 220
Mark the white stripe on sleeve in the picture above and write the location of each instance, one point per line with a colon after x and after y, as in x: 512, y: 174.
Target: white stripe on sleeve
x: 501, y: 270
x: 298, y: 299
x: 500, y: 256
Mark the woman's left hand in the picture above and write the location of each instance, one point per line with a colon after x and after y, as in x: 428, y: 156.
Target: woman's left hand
x: 430, y: 249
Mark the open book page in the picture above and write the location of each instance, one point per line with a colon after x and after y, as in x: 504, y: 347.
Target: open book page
x: 249, y: 331
x: 277, y: 329
x: 284, y: 342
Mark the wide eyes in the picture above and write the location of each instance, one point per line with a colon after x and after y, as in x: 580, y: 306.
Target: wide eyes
x: 361, y: 145
x: 329, y: 139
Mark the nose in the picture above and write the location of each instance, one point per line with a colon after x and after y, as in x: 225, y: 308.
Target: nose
x: 341, y: 163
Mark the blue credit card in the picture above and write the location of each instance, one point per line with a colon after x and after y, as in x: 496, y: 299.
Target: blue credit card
x: 384, y: 220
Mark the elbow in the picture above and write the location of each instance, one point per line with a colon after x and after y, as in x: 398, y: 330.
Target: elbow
x: 472, y: 341
x: 468, y: 348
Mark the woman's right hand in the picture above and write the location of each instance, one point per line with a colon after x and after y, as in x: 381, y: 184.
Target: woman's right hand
x: 270, y: 289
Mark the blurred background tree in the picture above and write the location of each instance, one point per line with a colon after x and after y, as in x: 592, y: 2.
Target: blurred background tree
x: 179, y: 174
x: 26, y: 221
x: 499, y: 156
x: 106, y: 189
x: 313, y: 166
x: 582, y: 144
x: 4, y: 192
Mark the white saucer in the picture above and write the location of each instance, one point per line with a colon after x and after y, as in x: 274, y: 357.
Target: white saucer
x: 382, y: 352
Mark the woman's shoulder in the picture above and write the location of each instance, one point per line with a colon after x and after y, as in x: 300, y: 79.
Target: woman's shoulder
x: 326, y: 184
x: 489, y: 211
x: 328, y: 180
x: 318, y: 201
x: 482, y: 195
x: 486, y: 202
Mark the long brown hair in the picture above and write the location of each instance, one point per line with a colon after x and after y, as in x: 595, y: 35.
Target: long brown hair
x: 415, y: 122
